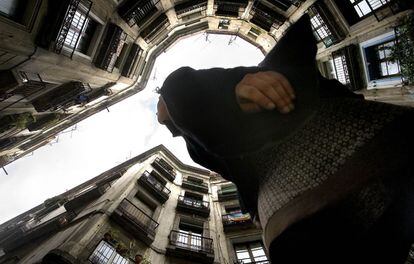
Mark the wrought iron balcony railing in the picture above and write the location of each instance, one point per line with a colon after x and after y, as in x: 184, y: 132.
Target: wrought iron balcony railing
x: 194, y: 202
x: 29, y: 85
x: 227, y: 194
x: 131, y: 61
x: 155, y: 28
x: 190, y: 6
x: 193, y: 206
x: 191, y: 242
x: 137, y: 12
x: 153, y: 185
x: 164, y: 168
x: 265, y: 17
x: 137, y: 217
x: 111, y: 47
x: 60, y: 96
x: 196, y: 186
x: 72, y: 26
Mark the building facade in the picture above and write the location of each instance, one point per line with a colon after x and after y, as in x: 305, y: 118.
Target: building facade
x: 62, y: 61
x: 151, y: 205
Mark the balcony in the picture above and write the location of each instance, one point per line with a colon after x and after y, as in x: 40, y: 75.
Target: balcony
x: 193, y: 206
x: 61, y: 21
x: 195, y: 186
x: 230, y: 8
x: 227, y: 195
x: 135, y: 221
x: 154, y: 186
x: 164, y: 168
x: 155, y: 29
x: 236, y: 221
x: 137, y: 12
x: 190, y: 246
x: 131, y: 62
x: 111, y: 47
x: 190, y: 6
x: 22, y: 235
x: 58, y: 97
x: 83, y: 197
x: 265, y: 17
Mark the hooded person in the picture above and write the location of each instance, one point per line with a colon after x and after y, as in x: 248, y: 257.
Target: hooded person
x: 310, y: 164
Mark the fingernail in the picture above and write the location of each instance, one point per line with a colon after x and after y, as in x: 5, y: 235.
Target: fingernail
x: 286, y: 109
x: 271, y: 106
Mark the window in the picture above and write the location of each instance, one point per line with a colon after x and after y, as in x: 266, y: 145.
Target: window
x: 190, y: 235
x: 77, y: 29
x: 251, y: 252
x: 20, y: 11
x: 105, y: 253
x: 365, y: 7
x: 379, y: 63
x: 339, y: 68
x: 320, y: 29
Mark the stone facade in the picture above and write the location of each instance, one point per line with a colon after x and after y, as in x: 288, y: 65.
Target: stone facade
x: 152, y: 205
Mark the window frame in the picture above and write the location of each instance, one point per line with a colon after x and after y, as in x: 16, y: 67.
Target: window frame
x: 372, y: 10
x: 114, y: 255
x: 381, y: 82
x: 249, y: 249
x: 30, y: 22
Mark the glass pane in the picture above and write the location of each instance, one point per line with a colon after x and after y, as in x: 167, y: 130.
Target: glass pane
x: 102, y: 253
x: 363, y: 8
x: 393, y: 68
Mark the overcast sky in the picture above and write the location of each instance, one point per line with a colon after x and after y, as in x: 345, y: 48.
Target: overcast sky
x: 108, y: 138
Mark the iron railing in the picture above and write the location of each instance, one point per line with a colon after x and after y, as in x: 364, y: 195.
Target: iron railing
x: 265, y: 17
x: 156, y: 184
x: 138, y: 216
x: 32, y: 83
x: 195, y: 203
x: 188, y: 6
x: 163, y: 167
x: 197, y: 186
x: 137, y: 12
x: 76, y: 16
x: 155, y: 28
x: 191, y: 241
x: 110, y: 48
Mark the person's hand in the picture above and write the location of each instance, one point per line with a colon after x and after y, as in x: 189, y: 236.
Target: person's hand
x: 265, y: 91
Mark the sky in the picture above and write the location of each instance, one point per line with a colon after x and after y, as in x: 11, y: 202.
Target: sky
x: 106, y: 139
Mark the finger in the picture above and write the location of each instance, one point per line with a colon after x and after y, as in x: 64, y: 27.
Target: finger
x: 286, y: 84
x: 250, y: 107
x: 276, y: 87
x: 254, y: 95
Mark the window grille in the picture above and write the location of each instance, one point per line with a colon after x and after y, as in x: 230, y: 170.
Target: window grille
x: 105, y: 253
x: 137, y: 12
x: 72, y: 27
x: 320, y: 28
